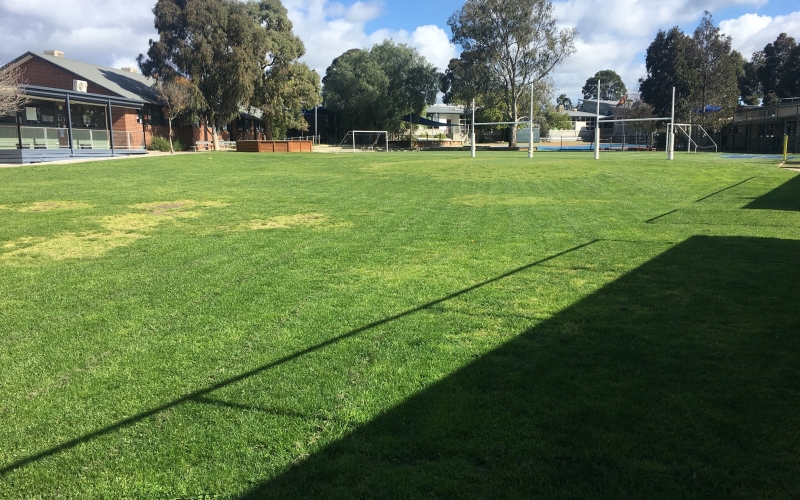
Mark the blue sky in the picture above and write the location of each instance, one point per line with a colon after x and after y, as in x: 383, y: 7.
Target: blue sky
x: 612, y: 35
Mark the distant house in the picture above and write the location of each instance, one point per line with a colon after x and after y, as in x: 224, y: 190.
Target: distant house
x: 77, y: 109
x: 455, y: 121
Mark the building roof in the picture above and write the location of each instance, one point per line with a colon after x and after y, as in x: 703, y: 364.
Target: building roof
x: 446, y: 109
x: 581, y: 114
x: 125, y: 84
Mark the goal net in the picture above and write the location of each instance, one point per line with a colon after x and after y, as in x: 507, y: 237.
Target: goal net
x: 366, y: 140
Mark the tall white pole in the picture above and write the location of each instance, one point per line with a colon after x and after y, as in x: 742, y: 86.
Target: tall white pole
x: 472, y: 129
x: 671, y: 135
x: 530, y: 127
x: 316, y: 132
x: 597, y: 125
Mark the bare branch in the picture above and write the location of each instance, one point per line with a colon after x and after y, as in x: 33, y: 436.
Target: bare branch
x: 11, y: 96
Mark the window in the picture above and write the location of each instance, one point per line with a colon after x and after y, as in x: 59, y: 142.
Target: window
x: 88, y: 116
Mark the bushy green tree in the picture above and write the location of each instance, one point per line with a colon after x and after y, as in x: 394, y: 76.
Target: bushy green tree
x: 612, y: 88
x: 213, y: 43
x: 373, y: 90
x: 703, y: 69
x: 285, y: 86
x: 772, y: 73
x: 716, y: 71
x: 235, y: 54
x: 516, y: 40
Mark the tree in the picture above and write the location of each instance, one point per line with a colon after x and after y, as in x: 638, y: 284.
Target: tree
x: 177, y: 96
x: 669, y: 64
x: 11, y: 96
x: 413, y: 81
x: 564, y: 101
x: 517, y: 41
x: 468, y: 78
x: 702, y: 68
x: 750, y: 91
x: 715, y: 93
x: 285, y: 86
x: 612, y: 88
x: 373, y: 90
x: 353, y: 87
x: 772, y: 73
x: 216, y: 45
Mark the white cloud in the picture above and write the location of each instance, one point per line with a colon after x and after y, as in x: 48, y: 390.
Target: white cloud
x: 616, y: 37
x: 751, y: 32
x: 328, y: 30
x: 86, y: 30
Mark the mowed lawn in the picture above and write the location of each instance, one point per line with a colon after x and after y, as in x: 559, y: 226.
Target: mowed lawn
x: 403, y: 325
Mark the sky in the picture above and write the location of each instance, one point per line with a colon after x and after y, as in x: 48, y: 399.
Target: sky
x: 611, y: 35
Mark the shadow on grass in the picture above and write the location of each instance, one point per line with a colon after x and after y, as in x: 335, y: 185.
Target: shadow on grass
x: 681, y: 379
x: 784, y: 197
x: 201, y: 395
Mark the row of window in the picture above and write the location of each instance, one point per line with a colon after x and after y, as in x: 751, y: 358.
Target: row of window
x: 54, y: 114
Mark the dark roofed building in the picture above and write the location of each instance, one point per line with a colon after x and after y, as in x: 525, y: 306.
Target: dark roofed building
x: 76, y: 109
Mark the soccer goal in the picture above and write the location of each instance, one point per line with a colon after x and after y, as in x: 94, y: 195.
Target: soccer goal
x: 700, y: 133
x: 366, y: 140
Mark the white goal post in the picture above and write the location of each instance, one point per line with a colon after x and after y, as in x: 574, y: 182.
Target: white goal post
x: 365, y: 140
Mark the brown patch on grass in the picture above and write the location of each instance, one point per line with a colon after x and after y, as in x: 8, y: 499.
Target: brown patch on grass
x: 129, y: 223
x: 482, y: 200
x: 48, y: 206
x: 176, y: 207
x: 287, y: 221
x: 65, y: 246
x: 117, y: 230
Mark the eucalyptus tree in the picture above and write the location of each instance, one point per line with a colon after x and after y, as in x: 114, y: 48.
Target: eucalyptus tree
x: 518, y: 42
x: 215, y: 45
x: 285, y: 86
x: 612, y: 87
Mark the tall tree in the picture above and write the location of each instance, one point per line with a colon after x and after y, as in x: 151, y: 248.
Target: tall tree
x: 213, y: 43
x: 353, y: 88
x: 612, y: 88
x: 11, y: 96
x: 374, y: 89
x: 750, y: 91
x: 285, y: 86
x: 715, y: 93
x: 773, y: 73
x: 517, y: 40
x: 669, y: 64
x: 413, y: 81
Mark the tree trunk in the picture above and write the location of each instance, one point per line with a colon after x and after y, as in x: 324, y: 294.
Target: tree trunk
x: 214, y: 134
x: 267, y: 129
x: 171, y: 151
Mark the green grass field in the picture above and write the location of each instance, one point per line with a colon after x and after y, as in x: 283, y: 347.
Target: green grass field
x: 410, y: 325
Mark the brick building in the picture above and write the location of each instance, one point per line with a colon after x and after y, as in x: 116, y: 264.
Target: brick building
x: 76, y: 109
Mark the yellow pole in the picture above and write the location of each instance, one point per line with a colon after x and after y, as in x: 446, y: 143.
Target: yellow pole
x: 785, y: 147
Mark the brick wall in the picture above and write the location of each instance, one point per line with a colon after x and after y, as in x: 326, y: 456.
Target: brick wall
x: 39, y: 72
